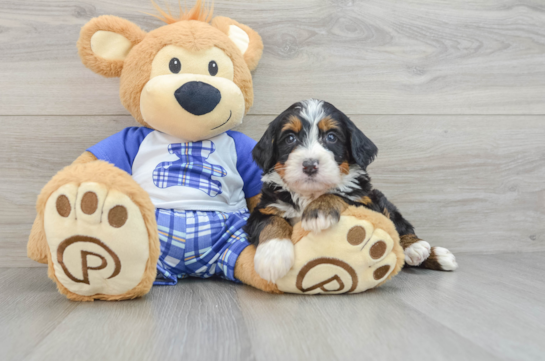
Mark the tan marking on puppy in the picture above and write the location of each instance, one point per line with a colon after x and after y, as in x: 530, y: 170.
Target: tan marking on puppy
x: 386, y: 213
x: 327, y: 124
x: 253, y: 201
x: 432, y: 263
x: 327, y: 202
x: 440, y: 259
x: 366, y: 201
x: 344, y: 167
x: 408, y: 239
x: 294, y: 124
x: 323, y: 212
x: 278, y: 228
x: 280, y: 169
x: 272, y: 211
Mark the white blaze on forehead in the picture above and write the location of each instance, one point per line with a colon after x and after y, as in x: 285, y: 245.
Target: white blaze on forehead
x: 312, y: 110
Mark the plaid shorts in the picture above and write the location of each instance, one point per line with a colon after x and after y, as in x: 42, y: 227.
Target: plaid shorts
x: 199, y: 244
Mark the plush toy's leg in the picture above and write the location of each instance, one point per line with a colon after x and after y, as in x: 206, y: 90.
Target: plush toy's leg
x: 245, y: 271
x: 360, y: 252
x: 420, y: 253
x: 96, y: 228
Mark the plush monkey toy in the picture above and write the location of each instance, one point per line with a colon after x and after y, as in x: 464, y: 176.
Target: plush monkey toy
x: 169, y: 199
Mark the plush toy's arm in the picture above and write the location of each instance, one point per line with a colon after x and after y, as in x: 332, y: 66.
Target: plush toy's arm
x: 37, y: 244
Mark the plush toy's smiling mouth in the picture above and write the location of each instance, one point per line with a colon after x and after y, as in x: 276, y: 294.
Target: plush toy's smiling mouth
x: 225, y: 122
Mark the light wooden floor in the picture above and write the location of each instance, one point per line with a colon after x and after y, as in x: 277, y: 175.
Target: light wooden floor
x: 490, y: 309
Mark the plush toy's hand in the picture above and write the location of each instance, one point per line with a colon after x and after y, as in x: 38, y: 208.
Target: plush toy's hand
x: 322, y: 213
x: 273, y: 259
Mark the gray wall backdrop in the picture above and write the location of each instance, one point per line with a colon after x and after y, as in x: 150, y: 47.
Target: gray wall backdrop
x: 452, y: 92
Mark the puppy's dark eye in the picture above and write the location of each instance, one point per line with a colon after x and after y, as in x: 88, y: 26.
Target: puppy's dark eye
x: 291, y: 139
x: 331, y: 138
x: 213, y: 68
x: 175, y: 65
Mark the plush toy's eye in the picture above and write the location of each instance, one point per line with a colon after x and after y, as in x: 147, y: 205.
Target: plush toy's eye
x: 331, y: 138
x: 213, y: 68
x: 291, y: 139
x: 175, y: 65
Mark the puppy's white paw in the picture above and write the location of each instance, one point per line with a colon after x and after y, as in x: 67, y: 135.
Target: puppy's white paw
x: 445, y: 258
x: 319, y: 223
x: 417, y: 253
x: 273, y: 259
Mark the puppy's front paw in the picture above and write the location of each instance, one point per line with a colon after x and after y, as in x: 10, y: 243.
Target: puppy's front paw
x: 273, y: 259
x: 417, y: 253
x: 322, y: 213
x: 319, y: 220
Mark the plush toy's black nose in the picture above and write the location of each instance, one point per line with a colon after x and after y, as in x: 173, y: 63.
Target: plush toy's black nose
x: 197, y: 97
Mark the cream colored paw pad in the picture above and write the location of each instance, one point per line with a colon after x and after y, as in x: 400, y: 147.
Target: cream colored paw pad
x: 352, y: 256
x: 97, y: 239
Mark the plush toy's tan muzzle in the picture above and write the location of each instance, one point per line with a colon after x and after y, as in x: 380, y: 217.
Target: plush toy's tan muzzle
x: 192, y: 106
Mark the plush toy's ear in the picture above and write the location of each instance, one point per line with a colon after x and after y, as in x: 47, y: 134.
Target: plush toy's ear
x: 105, y: 42
x: 247, y: 40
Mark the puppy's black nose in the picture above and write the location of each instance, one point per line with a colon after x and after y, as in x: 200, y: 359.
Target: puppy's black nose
x: 310, y: 166
x: 197, y: 98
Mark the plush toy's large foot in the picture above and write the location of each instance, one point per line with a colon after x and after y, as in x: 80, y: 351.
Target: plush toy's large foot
x: 360, y: 252
x: 98, y: 242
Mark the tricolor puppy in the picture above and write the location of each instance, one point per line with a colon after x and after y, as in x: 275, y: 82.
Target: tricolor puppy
x: 314, y: 162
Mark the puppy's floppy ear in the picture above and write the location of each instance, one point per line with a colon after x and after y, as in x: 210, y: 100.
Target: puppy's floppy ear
x: 246, y: 39
x: 105, y: 42
x: 363, y: 150
x: 263, y: 152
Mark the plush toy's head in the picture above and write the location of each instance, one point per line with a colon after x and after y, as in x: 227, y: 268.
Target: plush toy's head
x: 190, y: 78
